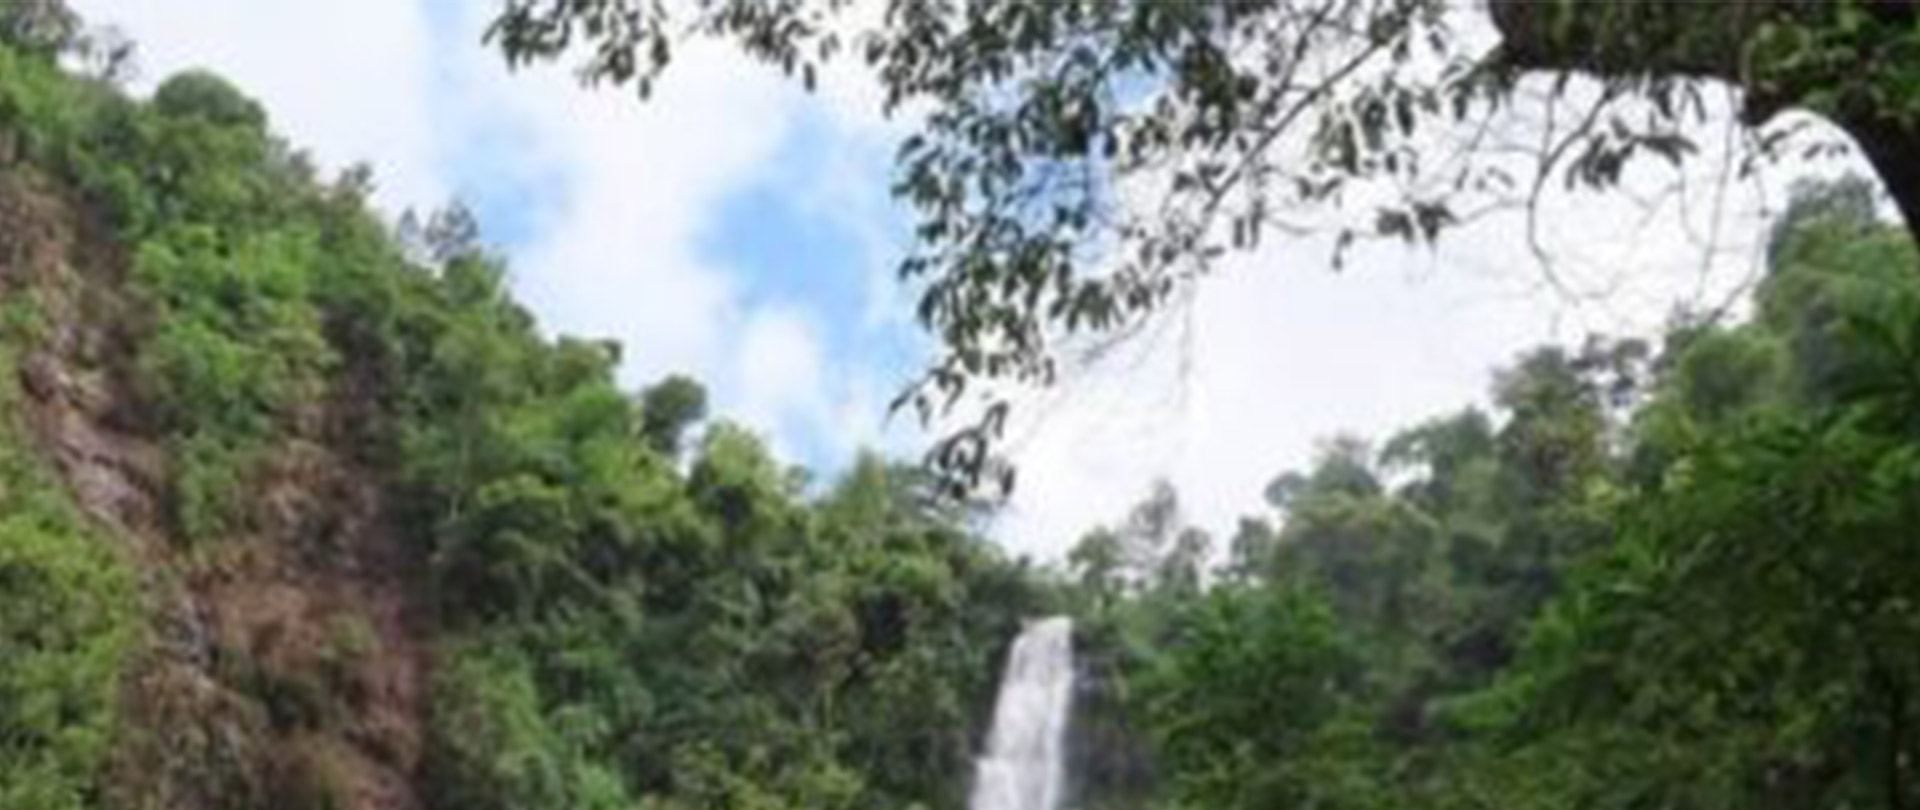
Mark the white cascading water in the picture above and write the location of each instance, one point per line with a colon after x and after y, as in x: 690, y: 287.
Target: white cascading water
x: 1025, y: 761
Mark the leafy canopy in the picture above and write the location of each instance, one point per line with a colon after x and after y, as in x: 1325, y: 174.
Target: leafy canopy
x: 1075, y: 165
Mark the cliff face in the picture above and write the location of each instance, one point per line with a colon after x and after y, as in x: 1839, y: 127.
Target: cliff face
x: 277, y: 665
x: 1108, y: 759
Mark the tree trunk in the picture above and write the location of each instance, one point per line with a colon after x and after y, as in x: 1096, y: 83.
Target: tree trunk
x: 1709, y: 40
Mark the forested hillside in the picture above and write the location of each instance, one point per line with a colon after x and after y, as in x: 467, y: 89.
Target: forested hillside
x: 299, y: 509
x: 302, y: 513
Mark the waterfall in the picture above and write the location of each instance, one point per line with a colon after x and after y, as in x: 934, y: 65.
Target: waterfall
x: 1024, y: 764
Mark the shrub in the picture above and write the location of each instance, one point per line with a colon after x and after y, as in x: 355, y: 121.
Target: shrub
x: 66, y: 624
x: 493, y: 747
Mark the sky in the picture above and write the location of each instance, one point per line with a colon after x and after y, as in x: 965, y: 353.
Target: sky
x: 738, y: 229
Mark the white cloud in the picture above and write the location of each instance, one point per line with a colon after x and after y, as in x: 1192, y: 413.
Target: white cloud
x: 644, y: 187
x: 641, y: 182
x: 779, y: 369
x: 645, y: 184
x: 1278, y: 351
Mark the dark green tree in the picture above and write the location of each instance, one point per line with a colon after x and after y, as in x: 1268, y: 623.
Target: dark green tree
x: 1236, y: 708
x: 668, y: 409
x: 207, y: 96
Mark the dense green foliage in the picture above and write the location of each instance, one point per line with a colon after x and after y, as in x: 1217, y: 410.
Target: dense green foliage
x: 1677, y: 581
x: 629, y: 606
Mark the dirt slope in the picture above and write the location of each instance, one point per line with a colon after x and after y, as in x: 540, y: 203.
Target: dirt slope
x: 285, y: 666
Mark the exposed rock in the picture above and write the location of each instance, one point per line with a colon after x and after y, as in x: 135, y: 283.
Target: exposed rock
x: 284, y: 667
